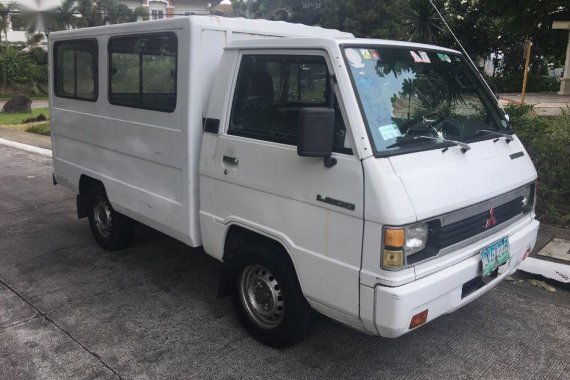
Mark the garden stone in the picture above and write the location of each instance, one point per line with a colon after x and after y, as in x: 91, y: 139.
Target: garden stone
x: 18, y: 104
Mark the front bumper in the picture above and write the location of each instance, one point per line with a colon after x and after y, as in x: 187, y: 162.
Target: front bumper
x: 442, y: 292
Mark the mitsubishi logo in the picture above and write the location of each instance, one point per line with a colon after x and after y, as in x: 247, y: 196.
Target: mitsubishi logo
x: 491, y: 219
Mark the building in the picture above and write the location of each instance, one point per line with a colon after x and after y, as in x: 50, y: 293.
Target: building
x: 157, y: 9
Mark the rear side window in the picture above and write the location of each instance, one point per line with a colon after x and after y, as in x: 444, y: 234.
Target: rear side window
x: 142, y: 71
x: 75, y: 69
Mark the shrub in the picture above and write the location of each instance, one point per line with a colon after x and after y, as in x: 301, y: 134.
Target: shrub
x: 535, y: 83
x: 547, y: 140
x: 40, y: 129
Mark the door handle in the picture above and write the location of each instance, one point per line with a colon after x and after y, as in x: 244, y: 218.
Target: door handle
x: 231, y: 160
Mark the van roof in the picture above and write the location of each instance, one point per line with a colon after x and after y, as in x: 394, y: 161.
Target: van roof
x: 309, y: 42
x: 241, y: 25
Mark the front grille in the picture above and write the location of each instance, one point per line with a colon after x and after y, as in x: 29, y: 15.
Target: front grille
x: 464, y: 229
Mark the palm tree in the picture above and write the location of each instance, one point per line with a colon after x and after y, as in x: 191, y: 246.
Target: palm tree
x: 65, y: 16
x: 6, y: 10
x: 422, y: 22
x: 91, y: 13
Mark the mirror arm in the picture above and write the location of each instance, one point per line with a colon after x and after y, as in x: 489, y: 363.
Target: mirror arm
x: 330, y: 162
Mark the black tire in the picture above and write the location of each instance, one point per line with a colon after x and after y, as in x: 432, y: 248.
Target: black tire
x: 117, y: 231
x: 290, y: 324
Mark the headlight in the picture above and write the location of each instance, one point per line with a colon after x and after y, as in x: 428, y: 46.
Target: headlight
x: 527, y: 195
x: 416, y: 238
x: 401, y: 242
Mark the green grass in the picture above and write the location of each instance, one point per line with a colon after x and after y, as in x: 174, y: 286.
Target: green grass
x: 34, y: 97
x: 42, y: 128
x: 17, y: 118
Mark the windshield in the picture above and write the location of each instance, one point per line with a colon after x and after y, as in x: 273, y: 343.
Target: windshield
x: 408, y: 95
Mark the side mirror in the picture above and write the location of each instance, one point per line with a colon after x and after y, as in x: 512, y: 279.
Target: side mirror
x: 316, y: 133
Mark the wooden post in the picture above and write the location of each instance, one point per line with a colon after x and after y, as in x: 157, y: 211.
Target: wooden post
x: 527, y: 48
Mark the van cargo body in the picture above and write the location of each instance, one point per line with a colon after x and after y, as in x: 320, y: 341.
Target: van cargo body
x: 376, y: 182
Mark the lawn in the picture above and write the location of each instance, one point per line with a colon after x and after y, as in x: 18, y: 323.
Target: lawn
x: 18, y: 118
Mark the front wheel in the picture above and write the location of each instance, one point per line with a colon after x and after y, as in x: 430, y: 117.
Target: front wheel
x: 112, y: 230
x: 267, y: 297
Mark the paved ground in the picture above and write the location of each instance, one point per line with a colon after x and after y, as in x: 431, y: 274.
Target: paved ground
x: 68, y: 309
x: 545, y: 103
x: 25, y: 137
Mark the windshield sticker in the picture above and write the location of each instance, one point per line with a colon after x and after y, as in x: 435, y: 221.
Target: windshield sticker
x: 416, y: 57
x: 375, y: 54
x: 390, y: 131
x: 365, y: 53
x: 354, y: 58
x: 420, y: 57
x: 444, y: 57
x: 425, y: 57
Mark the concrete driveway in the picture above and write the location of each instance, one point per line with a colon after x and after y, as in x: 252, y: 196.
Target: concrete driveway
x: 69, y: 309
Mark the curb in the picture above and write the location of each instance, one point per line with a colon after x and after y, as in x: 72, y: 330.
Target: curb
x: 26, y: 147
x: 551, y: 270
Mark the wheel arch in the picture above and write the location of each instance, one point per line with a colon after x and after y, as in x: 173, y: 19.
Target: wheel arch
x: 238, y: 237
x: 83, y: 198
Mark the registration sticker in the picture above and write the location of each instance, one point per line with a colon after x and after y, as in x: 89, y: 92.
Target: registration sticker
x: 365, y: 54
x: 390, y: 131
x: 495, y: 255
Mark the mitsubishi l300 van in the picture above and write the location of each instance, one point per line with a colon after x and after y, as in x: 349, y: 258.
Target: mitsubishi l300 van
x: 376, y: 182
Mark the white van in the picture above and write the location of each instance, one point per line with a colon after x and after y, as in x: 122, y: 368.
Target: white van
x: 376, y: 182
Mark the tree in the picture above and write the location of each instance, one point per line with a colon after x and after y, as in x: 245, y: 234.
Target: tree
x: 489, y: 26
x: 64, y: 16
x: 364, y: 18
x: 6, y: 11
x: 267, y: 9
x: 422, y: 22
x: 91, y: 14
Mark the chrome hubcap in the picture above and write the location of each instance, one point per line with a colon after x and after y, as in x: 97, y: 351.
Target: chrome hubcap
x: 102, y: 216
x: 262, y: 296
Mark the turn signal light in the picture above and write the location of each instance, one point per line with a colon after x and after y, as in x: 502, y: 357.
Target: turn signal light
x: 394, y: 237
x: 419, y: 319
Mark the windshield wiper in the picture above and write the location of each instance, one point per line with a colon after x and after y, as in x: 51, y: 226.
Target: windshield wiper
x: 464, y: 147
x: 508, y: 138
x: 405, y: 141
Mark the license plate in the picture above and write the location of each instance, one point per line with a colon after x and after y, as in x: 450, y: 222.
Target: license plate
x: 495, y: 255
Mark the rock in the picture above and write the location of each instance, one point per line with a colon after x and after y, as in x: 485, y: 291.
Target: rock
x: 40, y: 117
x: 18, y: 104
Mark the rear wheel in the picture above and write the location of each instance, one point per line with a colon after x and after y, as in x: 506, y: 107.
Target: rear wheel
x: 267, y: 297
x: 112, y: 230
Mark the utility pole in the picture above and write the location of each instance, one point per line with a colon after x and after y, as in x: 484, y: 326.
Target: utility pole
x: 527, y: 49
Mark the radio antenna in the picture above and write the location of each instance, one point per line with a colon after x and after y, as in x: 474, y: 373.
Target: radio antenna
x: 462, y: 48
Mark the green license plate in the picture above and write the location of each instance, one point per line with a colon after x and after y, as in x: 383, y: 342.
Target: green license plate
x: 495, y: 255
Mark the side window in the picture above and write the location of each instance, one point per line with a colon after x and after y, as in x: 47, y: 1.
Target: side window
x: 142, y: 71
x: 75, y: 69
x: 271, y: 90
